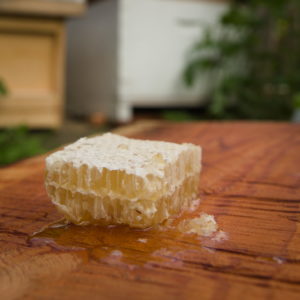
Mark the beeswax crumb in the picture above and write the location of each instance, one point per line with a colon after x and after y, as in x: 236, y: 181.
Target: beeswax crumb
x: 204, y: 225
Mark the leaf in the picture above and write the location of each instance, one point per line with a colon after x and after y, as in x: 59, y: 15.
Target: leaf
x: 3, y: 89
x: 189, y: 74
x: 238, y: 16
x: 296, y: 100
x: 217, y: 105
x: 17, y: 143
x: 199, y: 65
x: 177, y: 116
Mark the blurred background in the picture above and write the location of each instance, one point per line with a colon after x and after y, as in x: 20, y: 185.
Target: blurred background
x: 70, y: 68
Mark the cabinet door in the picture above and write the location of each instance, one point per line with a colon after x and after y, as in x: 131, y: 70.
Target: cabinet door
x: 31, y: 67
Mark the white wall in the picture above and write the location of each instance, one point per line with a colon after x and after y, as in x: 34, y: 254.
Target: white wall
x: 153, y: 40
x: 126, y: 53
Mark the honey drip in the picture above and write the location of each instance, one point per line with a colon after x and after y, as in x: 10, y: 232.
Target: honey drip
x: 118, y: 244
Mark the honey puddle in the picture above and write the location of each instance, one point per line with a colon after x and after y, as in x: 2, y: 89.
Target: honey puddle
x: 118, y: 244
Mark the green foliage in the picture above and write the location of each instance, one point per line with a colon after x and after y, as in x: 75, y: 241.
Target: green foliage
x: 17, y: 143
x: 3, y: 89
x: 297, y: 100
x: 177, y: 116
x: 253, y: 59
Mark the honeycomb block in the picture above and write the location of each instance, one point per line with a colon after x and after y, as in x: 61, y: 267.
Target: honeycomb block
x: 111, y: 179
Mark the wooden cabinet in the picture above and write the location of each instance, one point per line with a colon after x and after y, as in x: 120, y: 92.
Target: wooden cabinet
x: 32, y: 50
x: 32, y: 67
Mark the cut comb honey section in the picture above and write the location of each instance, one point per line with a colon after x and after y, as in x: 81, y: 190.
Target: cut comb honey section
x: 115, y: 180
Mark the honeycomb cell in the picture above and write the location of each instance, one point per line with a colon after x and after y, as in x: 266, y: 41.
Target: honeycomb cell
x: 116, y: 180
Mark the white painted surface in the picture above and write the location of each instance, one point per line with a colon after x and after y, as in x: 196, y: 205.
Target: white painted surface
x: 76, y: 1
x: 153, y: 41
x: 126, y: 53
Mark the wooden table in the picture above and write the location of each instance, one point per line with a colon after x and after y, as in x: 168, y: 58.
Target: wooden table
x: 250, y: 182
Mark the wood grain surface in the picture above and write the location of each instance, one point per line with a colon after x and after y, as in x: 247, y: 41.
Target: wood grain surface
x: 250, y: 182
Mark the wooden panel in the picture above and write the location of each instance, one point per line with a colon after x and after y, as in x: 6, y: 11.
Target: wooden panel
x: 31, y: 65
x: 36, y: 112
x: 42, y: 7
x: 250, y: 182
x: 26, y: 54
